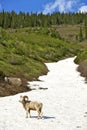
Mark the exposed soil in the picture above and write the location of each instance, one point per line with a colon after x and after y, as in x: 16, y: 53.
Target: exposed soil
x: 82, y: 68
x: 7, y: 89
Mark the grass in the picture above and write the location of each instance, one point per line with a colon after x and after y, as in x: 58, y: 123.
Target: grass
x: 23, y: 52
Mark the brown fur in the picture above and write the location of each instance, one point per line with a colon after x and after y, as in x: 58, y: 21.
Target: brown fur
x: 31, y: 105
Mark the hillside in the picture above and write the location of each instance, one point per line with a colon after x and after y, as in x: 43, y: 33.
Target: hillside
x: 28, y: 40
x: 24, y: 51
x: 70, y: 33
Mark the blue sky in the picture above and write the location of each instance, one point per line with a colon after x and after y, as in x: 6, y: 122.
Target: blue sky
x: 44, y: 6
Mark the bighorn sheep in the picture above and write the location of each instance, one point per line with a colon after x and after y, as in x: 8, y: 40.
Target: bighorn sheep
x: 31, y: 105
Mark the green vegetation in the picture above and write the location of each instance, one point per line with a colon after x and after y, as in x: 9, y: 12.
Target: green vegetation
x: 23, y: 52
x: 21, y: 20
x: 27, y: 41
x: 82, y: 61
x: 81, y: 56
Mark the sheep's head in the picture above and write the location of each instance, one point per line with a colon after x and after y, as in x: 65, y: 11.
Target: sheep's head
x: 23, y: 98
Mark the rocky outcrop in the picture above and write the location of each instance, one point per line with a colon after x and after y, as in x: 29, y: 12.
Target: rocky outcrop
x: 13, y: 81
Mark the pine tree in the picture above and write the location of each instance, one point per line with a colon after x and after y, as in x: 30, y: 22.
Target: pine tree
x: 80, y: 35
x: 13, y: 19
x: 85, y: 29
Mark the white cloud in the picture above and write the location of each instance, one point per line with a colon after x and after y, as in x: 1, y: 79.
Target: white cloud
x: 61, y: 5
x: 83, y: 9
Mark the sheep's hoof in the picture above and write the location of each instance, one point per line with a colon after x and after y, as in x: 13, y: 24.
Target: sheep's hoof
x: 39, y: 118
x: 26, y: 116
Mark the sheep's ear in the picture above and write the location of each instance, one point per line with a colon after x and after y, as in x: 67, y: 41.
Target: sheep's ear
x: 21, y: 98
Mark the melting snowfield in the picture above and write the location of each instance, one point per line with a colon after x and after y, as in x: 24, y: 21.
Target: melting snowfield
x: 64, y: 102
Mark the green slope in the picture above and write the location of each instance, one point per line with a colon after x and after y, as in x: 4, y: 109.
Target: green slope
x: 23, y: 52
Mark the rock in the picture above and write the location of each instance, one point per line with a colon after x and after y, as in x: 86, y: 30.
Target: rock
x: 13, y: 81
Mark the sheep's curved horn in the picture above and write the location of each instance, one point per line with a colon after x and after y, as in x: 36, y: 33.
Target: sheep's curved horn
x: 26, y: 98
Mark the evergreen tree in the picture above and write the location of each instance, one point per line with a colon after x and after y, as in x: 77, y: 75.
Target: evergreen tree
x: 3, y: 19
x: 86, y: 29
x: 80, y: 35
x: 13, y: 20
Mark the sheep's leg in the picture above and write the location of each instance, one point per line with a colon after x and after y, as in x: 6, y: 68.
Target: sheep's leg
x: 41, y: 114
x: 29, y: 113
x: 38, y: 114
x: 26, y: 114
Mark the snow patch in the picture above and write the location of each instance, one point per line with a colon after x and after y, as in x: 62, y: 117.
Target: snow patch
x: 64, y: 102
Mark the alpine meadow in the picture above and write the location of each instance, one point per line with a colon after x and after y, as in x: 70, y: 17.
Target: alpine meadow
x: 27, y: 41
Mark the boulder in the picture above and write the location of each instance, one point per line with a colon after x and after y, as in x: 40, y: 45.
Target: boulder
x: 13, y: 81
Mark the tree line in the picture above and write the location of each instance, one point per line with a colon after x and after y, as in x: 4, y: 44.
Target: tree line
x: 21, y: 20
x: 14, y: 20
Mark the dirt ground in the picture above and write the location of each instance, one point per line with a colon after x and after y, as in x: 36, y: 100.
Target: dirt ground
x: 8, y: 89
